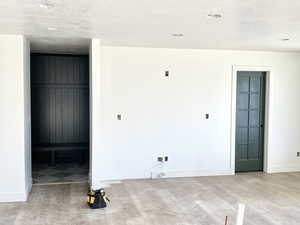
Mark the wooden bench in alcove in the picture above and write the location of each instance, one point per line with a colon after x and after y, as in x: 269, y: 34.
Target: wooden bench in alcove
x: 61, y: 147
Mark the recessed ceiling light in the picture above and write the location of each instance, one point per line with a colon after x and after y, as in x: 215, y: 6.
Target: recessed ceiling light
x: 215, y: 16
x: 46, y: 5
x: 52, y: 28
x: 177, y: 35
x: 285, y: 39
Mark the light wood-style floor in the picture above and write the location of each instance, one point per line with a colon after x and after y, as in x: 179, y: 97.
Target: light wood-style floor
x: 269, y: 199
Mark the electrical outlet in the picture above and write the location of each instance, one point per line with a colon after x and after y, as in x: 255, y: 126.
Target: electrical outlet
x: 206, y: 116
x: 160, y: 159
x: 166, y: 158
x: 298, y: 154
x: 167, y: 73
x: 119, y: 116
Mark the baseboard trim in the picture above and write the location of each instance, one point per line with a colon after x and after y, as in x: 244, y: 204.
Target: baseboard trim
x: 13, y: 197
x: 104, y: 183
x: 279, y: 168
x: 198, y: 173
x: 17, y: 196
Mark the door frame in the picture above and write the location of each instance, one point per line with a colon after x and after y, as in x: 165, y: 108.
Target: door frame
x: 90, y: 112
x: 235, y: 70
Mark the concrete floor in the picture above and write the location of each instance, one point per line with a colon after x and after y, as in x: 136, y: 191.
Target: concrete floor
x: 269, y: 199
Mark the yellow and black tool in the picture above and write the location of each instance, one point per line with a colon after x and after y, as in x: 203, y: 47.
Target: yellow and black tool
x: 97, y: 199
x: 91, y: 197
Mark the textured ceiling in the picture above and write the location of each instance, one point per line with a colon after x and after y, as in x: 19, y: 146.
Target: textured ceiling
x: 245, y: 24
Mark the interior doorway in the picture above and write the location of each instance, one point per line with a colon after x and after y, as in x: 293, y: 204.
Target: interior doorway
x: 60, y: 117
x: 250, y: 121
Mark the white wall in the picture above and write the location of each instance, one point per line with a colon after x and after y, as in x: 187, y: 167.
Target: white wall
x: 166, y: 115
x: 95, y: 107
x: 14, y: 52
x: 160, y: 115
